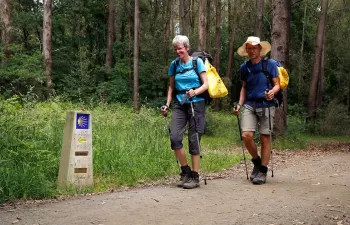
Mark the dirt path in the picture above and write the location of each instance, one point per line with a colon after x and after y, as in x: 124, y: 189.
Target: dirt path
x: 309, y: 187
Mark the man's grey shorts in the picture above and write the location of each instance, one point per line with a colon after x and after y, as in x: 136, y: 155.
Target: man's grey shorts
x: 253, y: 117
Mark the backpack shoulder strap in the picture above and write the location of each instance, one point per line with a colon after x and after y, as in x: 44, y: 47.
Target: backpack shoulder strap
x: 266, y: 72
x: 194, y: 65
x: 176, y: 63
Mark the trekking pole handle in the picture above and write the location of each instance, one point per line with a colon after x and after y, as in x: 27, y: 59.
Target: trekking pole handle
x: 164, y: 109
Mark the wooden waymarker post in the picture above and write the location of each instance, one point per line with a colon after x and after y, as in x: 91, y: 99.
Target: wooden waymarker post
x: 76, y: 167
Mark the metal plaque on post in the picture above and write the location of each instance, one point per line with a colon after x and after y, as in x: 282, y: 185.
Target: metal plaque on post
x: 76, y: 167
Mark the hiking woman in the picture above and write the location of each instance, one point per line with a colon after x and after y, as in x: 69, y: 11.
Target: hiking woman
x: 185, y: 87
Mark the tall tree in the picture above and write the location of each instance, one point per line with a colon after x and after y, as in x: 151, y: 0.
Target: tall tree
x: 167, y: 31
x: 217, y: 50
x: 185, y: 16
x: 280, y: 38
x: 208, y: 25
x: 6, y: 31
x: 136, y: 56
x: 259, y: 18
x: 47, y: 43
x: 202, y: 25
x: 312, y: 99
x: 110, y: 35
x: 301, y: 58
x: 232, y: 29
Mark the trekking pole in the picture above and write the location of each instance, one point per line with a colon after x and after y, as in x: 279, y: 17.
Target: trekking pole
x: 270, y: 142
x: 197, y: 136
x: 168, y: 128
x: 270, y: 131
x: 240, y: 135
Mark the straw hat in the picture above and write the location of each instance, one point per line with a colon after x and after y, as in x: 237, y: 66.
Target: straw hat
x: 265, y: 46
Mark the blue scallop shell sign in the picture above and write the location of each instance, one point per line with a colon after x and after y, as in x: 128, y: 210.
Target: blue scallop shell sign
x: 82, y: 121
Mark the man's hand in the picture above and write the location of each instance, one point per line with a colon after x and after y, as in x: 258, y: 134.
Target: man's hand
x: 269, y: 95
x: 164, y: 110
x: 236, y: 109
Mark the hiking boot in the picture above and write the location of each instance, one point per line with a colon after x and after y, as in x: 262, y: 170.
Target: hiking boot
x: 260, y: 178
x: 192, y: 182
x: 184, y: 175
x: 256, y: 168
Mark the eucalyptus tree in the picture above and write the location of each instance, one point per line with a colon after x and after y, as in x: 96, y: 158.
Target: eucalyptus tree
x: 110, y: 35
x: 259, y: 18
x: 280, y: 39
x: 136, y: 56
x: 202, y: 20
x: 315, y: 85
x: 47, y: 42
x: 6, y: 28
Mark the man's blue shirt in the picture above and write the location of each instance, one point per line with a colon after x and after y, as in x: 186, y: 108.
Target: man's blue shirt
x: 257, y: 83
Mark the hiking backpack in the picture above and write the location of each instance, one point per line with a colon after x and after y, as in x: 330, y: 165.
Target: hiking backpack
x: 195, y: 55
x: 283, y: 77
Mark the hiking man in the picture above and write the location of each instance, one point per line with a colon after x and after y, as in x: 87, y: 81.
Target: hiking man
x: 256, y: 101
x: 186, y: 86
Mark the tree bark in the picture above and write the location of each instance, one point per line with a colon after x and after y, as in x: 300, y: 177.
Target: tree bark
x: 259, y: 18
x: 312, y: 101
x: 280, y: 38
x: 185, y: 17
x: 208, y: 42
x: 110, y: 35
x: 136, y: 56
x: 301, y: 59
x: 6, y: 36
x: 217, y: 50
x: 47, y: 43
x: 202, y: 25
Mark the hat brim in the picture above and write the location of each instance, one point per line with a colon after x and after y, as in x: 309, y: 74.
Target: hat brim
x: 265, y: 48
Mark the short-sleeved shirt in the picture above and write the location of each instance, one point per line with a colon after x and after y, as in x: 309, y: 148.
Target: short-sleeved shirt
x: 257, y: 82
x: 187, y: 80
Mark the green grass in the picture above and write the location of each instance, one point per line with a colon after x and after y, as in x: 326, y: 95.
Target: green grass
x: 128, y: 148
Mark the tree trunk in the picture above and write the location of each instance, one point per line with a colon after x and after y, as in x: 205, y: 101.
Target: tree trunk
x: 280, y: 38
x: 110, y: 35
x: 301, y: 59
x: 185, y: 17
x: 208, y: 42
x: 320, y: 86
x: 259, y: 18
x: 202, y: 25
x: 136, y: 56
x: 312, y: 103
x: 47, y: 43
x: 232, y: 27
x: 6, y: 36
x: 167, y: 31
x: 130, y: 38
x: 217, y: 50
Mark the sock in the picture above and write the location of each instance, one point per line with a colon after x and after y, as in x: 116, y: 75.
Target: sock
x: 257, y: 161
x: 186, y: 169
x: 263, y: 169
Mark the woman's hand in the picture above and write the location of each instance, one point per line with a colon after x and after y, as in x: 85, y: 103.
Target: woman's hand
x: 191, y: 93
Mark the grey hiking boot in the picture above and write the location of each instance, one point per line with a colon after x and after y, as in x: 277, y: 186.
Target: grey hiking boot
x: 260, y: 178
x: 184, y: 175
x: 256, y: 168
x: 192, y: 182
